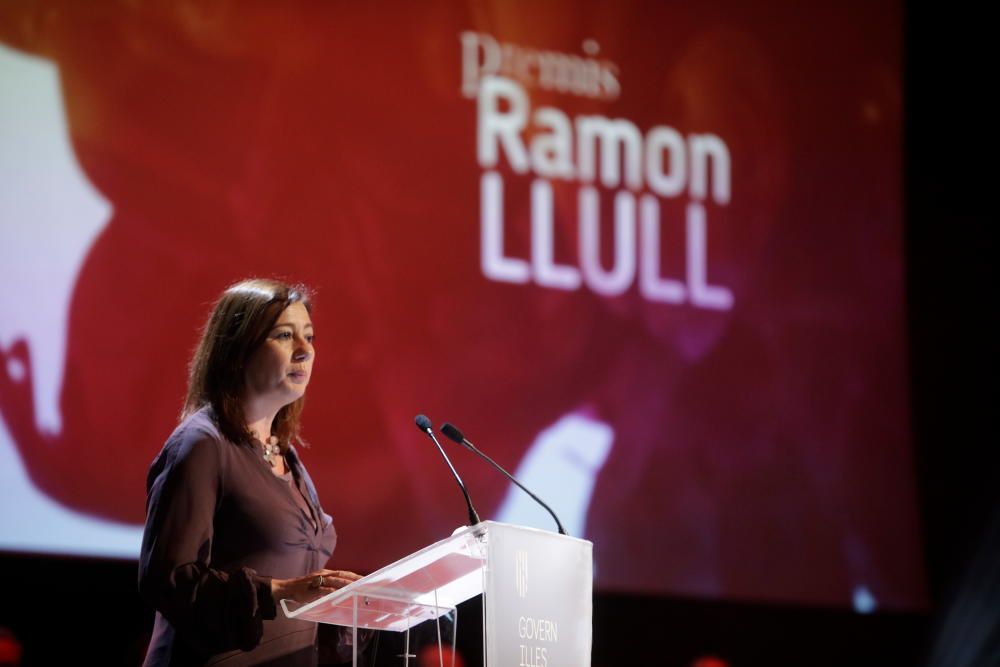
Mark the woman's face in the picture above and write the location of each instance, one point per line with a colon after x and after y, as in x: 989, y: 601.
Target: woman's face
x: 279, y: 370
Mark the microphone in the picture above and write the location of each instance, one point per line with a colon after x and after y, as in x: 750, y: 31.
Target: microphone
x: 453, y: 433
x: 424, y: 425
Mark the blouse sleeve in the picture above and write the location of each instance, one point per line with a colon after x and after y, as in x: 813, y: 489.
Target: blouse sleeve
x: 210, y: 609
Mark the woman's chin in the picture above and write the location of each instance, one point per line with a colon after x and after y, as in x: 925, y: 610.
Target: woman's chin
x: 283, y: 395
x: 294, y: 391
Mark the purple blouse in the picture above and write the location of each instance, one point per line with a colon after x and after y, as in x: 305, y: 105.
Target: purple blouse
x: 219, y: 526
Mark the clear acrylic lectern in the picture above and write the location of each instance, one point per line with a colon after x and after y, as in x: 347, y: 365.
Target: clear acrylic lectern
x: 536, y: 588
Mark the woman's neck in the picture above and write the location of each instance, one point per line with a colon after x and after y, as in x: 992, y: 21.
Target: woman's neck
x: 259, y: 420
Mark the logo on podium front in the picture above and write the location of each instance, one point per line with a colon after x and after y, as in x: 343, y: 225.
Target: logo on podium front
x: 521, y: 572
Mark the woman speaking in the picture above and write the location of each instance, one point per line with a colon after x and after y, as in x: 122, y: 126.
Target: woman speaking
x: 233, y: 523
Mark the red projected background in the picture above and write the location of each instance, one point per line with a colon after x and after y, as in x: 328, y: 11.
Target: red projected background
x: 648, y: 256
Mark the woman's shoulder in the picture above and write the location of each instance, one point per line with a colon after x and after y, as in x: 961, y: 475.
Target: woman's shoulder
x: 201, y: 421
x: 194, y: 445
x: 197, y: 427
x: 197, y: 435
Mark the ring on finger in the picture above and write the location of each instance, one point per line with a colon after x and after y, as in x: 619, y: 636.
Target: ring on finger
x: 318, y: 581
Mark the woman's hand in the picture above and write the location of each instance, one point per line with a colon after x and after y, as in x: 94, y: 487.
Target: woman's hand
x: 311, y: 586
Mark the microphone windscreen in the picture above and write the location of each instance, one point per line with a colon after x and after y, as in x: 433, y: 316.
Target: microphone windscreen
x: 449, y: 430
x: 422, y: 422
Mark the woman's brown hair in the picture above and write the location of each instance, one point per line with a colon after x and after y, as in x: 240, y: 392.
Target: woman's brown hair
x: 240, y: 322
